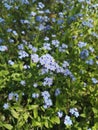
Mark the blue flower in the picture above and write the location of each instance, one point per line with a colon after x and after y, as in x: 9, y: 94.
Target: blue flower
x: 67, y: 121
x: 41, y: 5
x: 90, y: 62
x: 39, y: 18
x: 11, y: 62
x: 23, y: 54
x: 35, y: 58
x: 6, y: 106
x: 94, y: 80
x: 48, y: 81
x: 88, y: 24
x: 60, y: 114
x: 60, y: 21
x: 47, y: 27
x: 22, y: 82
x: 57, y: 92
x: 47, y: 100
x: 7, y: 6
x: 81, y: 1
x: 1, y: 20
x: 84, y: 54
x: 3, y: 48
x: 82, y: 44
x: 35, y: 95
x: 94, y: 34
x: 47, y: 46
x: 89, y: 129
x: 25, y: 1
x: 1, y: 40
x: 74, y: 111
x: 91, y: 49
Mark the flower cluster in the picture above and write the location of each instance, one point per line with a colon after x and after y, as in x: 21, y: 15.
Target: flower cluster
x: 48, y: 64
x: 12, y: 95
x: 67, y: 120
x: 47, y: 61
x: 47, y: 99
x: 48, y: 81
x: 74, y: 112
x: 3, y: 48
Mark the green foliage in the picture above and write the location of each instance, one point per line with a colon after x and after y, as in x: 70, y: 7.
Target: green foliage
x: 48, y: 65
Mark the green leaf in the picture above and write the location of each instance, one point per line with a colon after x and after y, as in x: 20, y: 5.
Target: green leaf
x: 36, y: 123
x: 46, y: 124
x: 8, y: 126
x: 25, y: 115
x: 16, y: 76
x: 14, y: 114
x: 95, y: 110
x: 83, y: 115
x: 18, y: 109
x: 35, y: 112
x: 55, y: 119
x: 95, y: 126
x: 1, y: 124
x: 20, y: 123
x: 31, y: 107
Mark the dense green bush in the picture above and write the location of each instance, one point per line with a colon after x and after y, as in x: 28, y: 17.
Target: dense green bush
x: 48, y: 65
